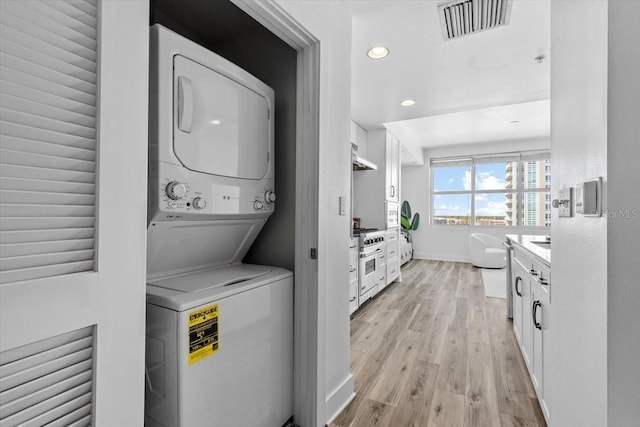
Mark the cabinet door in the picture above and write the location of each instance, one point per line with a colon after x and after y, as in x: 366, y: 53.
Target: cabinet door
x: 392, y: 168
x: 517, y: 278
x: 527, y: 324
x: 540, y: 311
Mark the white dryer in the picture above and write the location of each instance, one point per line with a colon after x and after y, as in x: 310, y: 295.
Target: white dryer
x: 219, y: 347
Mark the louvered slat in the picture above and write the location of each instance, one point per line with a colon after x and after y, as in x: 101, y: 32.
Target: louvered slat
x: 48, y: 87
x: 79, y: 417
x: 49, y: 186
x: 50, y: 381
x: 11, y: 88
x: 31, y: 236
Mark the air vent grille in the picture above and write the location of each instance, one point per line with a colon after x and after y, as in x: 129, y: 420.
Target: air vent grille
x: 463, y: 17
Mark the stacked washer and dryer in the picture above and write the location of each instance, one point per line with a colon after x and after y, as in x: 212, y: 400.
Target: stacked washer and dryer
x: 219, y: 347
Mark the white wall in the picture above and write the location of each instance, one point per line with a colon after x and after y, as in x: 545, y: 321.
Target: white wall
x: 578, y: 328
x: 445, y: 242
x: 623, y: 225
x: 330, y: 22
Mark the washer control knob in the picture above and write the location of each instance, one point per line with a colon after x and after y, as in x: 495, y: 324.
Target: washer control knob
x: 199, y: 203
x: 176, y: 190
x: 269, y: 196
x: 257, y: 205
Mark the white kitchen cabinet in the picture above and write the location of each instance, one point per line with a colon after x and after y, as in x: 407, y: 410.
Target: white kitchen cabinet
x: 353, y: 275
x: 392, y: 240
x: 392, y: 168
x: 532, y: 319
x: 377, y: 192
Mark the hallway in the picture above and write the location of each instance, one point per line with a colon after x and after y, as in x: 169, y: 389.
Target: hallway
x: 434, y: 351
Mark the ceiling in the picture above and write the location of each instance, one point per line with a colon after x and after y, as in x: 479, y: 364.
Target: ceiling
x: 467, y: 90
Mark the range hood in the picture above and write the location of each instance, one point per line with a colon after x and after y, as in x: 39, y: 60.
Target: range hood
x: 360, y: 163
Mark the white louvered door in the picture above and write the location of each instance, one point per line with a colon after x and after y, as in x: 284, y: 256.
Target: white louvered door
x: 73, y: 138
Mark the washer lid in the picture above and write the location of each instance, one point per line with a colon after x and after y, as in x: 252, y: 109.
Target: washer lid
x: 220, y: 126
x: 213, y: 278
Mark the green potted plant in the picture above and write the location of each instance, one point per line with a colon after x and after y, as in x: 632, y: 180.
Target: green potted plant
x: 408, y: 223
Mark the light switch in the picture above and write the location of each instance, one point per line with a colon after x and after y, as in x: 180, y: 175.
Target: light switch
x: 565, y: 204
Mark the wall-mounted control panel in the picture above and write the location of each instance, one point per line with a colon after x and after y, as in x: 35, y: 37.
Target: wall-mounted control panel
x: 564, y: 202
x: 589, y: 197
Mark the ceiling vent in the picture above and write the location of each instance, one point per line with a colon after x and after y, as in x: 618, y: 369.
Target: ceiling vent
x: 463, y: 17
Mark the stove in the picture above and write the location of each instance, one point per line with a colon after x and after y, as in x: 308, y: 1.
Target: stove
x: 357, y: 231
x: 372, y: 277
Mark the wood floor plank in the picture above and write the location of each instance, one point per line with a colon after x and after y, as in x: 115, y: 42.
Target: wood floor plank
x: 477, y: 329
x: 507, y: 420
x: 417, y: 396
x: 434, y: 341
x: 373, y: 413
x: 452, y: 375
x: 395, y: 373
x: 481, y: 402
x: 510, y: 381
x: 462, y: 368
x: 447, y: 410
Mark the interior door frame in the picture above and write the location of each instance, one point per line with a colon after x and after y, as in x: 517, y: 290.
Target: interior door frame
x: 309, y: 367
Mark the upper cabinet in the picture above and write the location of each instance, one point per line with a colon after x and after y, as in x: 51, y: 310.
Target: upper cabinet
x: 392, y: 168
x: 376, y: 193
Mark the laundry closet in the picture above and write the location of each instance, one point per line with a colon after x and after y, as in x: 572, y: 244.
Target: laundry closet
x: 221, y: 240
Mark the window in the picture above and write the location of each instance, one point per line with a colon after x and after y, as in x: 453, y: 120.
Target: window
x: 498, y: 190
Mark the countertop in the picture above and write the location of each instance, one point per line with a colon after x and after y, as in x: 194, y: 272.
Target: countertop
x: 526, y: 242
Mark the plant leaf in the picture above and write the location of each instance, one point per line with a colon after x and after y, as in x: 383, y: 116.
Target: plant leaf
x: 415, y: 222
x: 406, y: 210
x: 404, y: 222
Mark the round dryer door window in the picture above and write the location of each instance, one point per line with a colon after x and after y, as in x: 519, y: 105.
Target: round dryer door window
x: 220, y: 126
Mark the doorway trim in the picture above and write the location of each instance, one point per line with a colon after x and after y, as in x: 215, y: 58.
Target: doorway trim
x: 309, y: 365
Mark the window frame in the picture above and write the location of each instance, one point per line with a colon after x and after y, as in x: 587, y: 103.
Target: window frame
x: 521, y: 185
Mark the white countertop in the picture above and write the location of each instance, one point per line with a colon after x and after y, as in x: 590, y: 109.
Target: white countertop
x: 543, y: 253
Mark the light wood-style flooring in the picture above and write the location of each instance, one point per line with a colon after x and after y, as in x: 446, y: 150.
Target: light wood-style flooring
x: 432, y: 350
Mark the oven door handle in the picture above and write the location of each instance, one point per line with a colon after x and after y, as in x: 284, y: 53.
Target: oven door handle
x: 367, y: 255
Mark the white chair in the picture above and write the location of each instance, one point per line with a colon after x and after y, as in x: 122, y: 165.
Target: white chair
x: 487, y: 251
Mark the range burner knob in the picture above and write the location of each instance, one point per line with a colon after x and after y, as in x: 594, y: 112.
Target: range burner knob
x: 269, y: 196
x: 199, y: 203
x: 175, y: 190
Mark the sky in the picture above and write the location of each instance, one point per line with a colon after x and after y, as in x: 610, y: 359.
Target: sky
x: 488, y: 177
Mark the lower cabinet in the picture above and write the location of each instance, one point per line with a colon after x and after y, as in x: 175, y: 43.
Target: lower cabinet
x: 392, y: 239
x: 353, y: 276
x: 531, y: 320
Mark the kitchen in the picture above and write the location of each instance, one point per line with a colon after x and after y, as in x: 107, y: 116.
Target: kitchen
x: 592, y: 128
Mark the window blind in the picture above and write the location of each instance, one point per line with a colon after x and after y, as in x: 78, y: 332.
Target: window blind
x: 48, y: 382
x: 48, y: 118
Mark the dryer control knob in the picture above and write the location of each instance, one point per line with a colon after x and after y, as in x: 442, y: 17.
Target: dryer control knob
x: 257, y: 205
x: 269, y: 196
x: 176, y: 190
x: 199, y: 203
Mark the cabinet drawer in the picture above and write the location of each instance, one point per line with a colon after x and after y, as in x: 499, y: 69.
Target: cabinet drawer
x: 353, y: 297
x: 393, y: 270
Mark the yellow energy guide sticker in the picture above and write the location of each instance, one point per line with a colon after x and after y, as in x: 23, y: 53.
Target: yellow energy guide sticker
x: 203, y: 333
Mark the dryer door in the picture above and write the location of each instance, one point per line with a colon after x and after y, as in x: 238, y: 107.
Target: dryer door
x: 220, y: 126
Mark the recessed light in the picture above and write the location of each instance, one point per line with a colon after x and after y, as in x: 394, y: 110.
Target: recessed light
x: 408, y: 102
x: 215, y: 122
x: 378, y: 52
x: 513, y: 122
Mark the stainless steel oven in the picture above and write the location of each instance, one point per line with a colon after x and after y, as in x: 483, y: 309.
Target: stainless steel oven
x: 372, y: 264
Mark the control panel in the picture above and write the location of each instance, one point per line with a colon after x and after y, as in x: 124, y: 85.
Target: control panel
x: 178, y: 196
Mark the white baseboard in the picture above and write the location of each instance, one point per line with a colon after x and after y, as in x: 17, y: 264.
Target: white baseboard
x: 339, y: 399
x: 440, y: 257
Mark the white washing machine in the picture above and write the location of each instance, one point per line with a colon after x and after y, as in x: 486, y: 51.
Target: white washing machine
x: 219, y: 346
